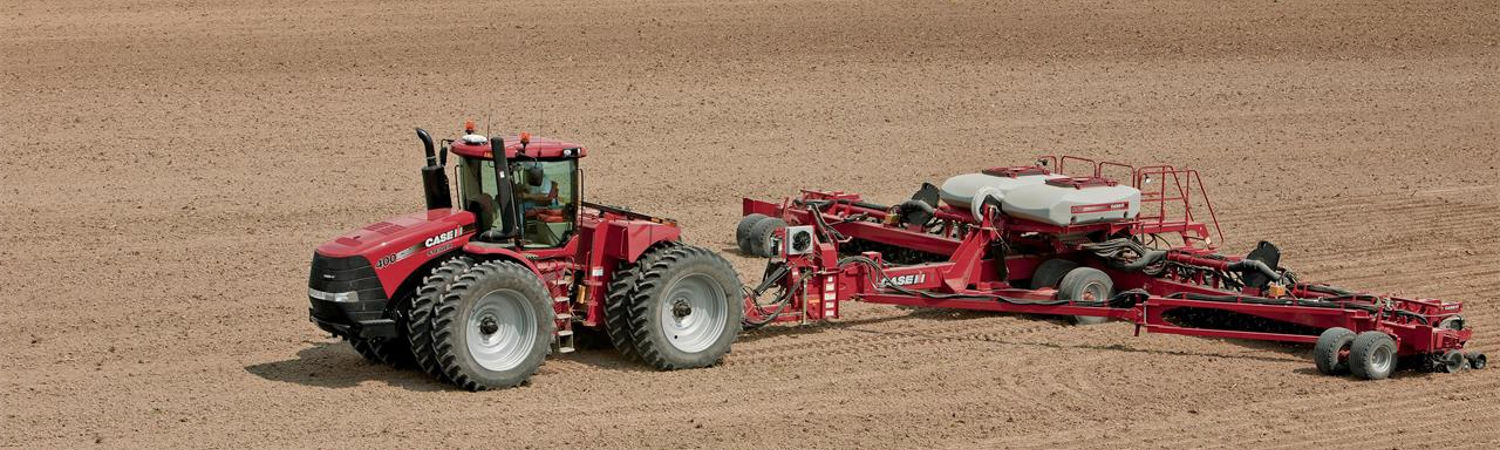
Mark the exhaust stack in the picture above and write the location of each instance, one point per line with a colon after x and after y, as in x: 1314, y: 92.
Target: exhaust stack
x: 434, y: 180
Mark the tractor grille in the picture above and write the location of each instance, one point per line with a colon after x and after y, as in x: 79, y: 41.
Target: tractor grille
x: 350, y: 274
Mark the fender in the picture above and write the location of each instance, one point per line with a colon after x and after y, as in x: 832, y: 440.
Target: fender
x: 631, y: 238
x: 502, y: 252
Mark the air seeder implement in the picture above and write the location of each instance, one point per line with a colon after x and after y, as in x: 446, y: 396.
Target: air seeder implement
x: 1028, y: 239
x: 479, y: 293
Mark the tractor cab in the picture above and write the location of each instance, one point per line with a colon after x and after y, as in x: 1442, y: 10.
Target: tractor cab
x: 535, y: 202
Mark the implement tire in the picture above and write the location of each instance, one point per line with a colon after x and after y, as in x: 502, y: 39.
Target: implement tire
x: 1328, y: 352
x: 1051, y: 272
x: 685, y: 309
x: 1372, y: 356
x: 762, y: 240
x: 1086, y: 284
x: 419, y: 313
x: 742, y: 231
x: 494, y: 328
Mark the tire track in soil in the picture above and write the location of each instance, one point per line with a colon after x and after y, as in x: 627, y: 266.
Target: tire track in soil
x: 1437, y: 219
x: 1382, y: 402
x: 880, y: 340
x: 1324, y: 215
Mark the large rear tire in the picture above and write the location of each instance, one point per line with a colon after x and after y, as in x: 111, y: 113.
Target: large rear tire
x: 1328, y: 352
x: 419, y: 313
x: 617, y: 307
x: 494, y: 328
x: 1086, y: 284
x: 685, y: 309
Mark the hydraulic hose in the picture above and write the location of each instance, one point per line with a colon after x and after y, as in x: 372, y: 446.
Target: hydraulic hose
x: 1111, y: 252
x: 1247, y: 265
x: 773, y: 276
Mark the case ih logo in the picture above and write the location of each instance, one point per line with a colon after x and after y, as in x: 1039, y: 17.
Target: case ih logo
x: 907, y: 279
x: 445, y: 237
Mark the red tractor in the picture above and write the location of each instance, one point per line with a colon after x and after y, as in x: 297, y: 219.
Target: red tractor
x: 479, y: 294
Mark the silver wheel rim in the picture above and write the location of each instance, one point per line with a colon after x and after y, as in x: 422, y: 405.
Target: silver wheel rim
x: 1093, y: 292
x: 1380, y: 359
x: 501, y: 330
x: 693, y: 313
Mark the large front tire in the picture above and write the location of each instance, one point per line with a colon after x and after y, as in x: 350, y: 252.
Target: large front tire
x: 685, y: 309
x: 419, y: 312
x: 494, y: 328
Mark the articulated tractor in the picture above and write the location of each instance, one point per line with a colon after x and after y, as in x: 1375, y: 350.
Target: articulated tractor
x: 480, y: 292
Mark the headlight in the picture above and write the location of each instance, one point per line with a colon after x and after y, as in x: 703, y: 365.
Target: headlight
x: 336, y: 297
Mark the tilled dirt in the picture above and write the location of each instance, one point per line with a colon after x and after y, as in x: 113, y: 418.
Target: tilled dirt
x: 170, y: 165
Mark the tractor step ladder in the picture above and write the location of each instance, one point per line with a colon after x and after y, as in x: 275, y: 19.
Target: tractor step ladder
x: 564, y: 342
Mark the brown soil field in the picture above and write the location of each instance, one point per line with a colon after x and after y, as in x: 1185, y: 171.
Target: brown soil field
x: 169, y: 165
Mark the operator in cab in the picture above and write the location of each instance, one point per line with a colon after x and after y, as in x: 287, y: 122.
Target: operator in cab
x: 546, y: 224
x: 538, y: 192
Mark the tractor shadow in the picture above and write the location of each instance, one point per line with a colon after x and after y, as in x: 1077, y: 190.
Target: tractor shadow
x: 605, y: 359
x: 595, y: 351
x: 336, y: 365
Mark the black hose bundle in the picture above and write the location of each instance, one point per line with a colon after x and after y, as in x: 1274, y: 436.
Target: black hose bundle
x: 1125, y: 254
x: 815, y: 209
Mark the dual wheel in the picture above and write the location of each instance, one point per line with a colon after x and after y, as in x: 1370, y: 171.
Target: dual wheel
x: 756, y: 235
x: 677, y: 307
x: 477, y: 325
x: 1370, y: 355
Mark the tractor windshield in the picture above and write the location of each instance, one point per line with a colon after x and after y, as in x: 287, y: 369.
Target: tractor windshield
x: 544, y: 191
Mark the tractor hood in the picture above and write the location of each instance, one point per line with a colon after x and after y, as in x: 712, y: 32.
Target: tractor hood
x: 392, y: 249
x: 393, y: 240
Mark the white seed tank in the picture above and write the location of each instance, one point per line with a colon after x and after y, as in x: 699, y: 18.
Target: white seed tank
x: 973, y: 189
x: 1028, y: 195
